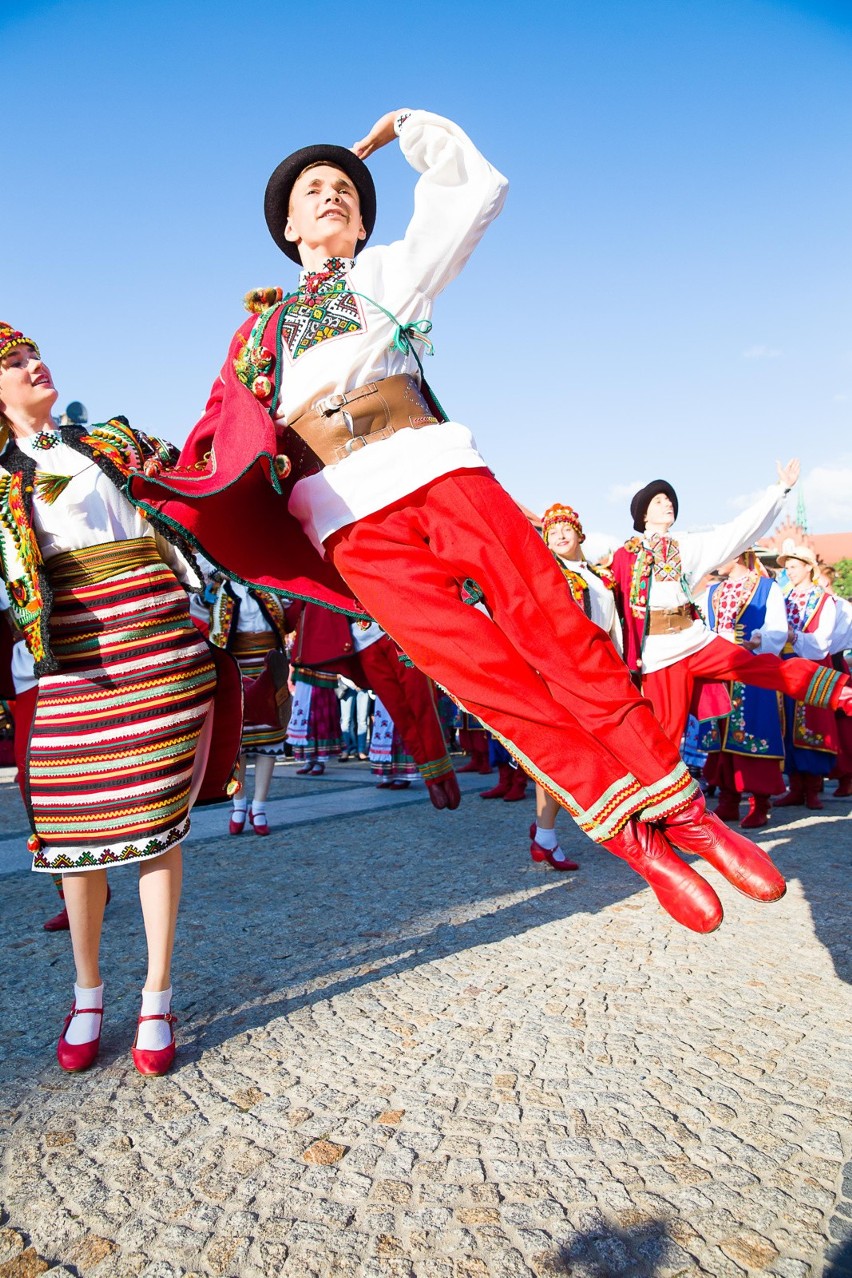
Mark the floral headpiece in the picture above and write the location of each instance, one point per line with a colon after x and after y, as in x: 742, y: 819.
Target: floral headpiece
x: 559, y: 514
x: 11, y: 337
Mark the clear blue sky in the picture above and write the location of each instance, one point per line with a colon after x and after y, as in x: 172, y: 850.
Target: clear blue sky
x: 668, y: 289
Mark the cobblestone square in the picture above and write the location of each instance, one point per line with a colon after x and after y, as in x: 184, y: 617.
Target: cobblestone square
x: 405, y: 1051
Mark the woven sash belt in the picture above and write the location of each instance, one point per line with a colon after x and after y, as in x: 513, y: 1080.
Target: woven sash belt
x: 669, y: 621
x: 93, y: 564
x: 337, y: 426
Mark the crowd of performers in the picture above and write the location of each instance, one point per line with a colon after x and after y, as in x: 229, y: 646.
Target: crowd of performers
x: 325, y: 480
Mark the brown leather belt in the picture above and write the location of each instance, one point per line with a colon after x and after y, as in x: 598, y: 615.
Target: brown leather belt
x: 337, y: 426
x: 669, y: 621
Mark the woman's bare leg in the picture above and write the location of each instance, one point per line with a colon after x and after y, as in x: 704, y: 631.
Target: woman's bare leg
x: 159, y: 891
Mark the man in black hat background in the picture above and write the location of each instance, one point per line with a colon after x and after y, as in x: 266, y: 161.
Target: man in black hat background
x: 401, y: 504
x: 679, y: 660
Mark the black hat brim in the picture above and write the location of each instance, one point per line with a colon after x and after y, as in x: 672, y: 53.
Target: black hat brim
x: 641, y: 501
x: 276, y: 203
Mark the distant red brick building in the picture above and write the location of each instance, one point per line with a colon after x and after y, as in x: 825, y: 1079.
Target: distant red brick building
x: 828, y: 547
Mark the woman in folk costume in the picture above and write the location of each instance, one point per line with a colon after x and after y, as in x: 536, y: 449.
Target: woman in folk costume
x: 123, y: 723
x: 746, y: 748
x: 593, y: 589
x: 322, y: 441
x: 252, y: 626
x: 811, y: 731
x: 667, y: 642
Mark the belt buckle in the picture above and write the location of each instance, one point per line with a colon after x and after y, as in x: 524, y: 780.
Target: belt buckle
x: 331, y: 404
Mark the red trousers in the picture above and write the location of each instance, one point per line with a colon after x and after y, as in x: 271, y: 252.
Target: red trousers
x: 670, y: 690
x: 409, y: 698
x: 537, y: 672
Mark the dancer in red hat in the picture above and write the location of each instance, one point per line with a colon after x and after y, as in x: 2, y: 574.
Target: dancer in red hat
x: 324, y: 459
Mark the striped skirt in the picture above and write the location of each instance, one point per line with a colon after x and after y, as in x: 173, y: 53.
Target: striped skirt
x: 249, y: 650
x: 112, y: 754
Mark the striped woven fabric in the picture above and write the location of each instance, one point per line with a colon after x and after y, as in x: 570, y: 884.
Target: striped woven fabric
x: 249, y: 648
x: 115, y: 732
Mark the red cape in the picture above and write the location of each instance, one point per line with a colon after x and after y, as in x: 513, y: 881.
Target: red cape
x: 225, y: 497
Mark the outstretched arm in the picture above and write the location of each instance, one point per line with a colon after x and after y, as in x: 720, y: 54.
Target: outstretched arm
x: 704, y: 551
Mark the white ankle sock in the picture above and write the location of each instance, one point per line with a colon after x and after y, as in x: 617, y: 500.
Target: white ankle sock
x: 258, y: 809
x: 558, y: 854
x: 240, y: 805
x: 155, y: 1035
x: 546, y: 838
x: 85, y: 1028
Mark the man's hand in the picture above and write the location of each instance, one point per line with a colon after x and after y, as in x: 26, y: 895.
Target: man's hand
x: 380, y: 134
x: 789, y: 474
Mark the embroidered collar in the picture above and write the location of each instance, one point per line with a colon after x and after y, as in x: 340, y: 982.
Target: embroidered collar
x: 330, y: 273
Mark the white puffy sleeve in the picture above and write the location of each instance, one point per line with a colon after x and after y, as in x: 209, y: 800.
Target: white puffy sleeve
x: 773, y: 632
x: 816, y: 644
x: 456, y: 198
x: 701, y: 552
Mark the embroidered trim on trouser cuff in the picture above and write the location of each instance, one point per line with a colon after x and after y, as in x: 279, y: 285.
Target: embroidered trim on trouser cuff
x: 436, y: 769
x: 822, y: 686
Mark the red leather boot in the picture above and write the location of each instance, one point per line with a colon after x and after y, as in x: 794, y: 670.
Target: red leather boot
x: 504, y: 780
x: 474, y: 763
x: 758, y: 813
x: 728, y: 807
x: 444, y: 792
x: 844, y: 786
x: 517, y: 786
x: 813, y: 784
x: 737, y: 859
x: 795, y: 796
x: 682, y: 893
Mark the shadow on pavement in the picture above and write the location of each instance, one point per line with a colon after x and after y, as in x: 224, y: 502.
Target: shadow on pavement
x: 825, y: 878
x: 609, y: 1252
x: 838, y: 1261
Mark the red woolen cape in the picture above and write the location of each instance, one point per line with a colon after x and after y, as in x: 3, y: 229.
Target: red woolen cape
x: 225, y: 497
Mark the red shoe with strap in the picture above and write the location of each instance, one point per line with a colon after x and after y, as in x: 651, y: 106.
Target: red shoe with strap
x: 237, y: 823
x: 539, y: 854
x: 259, y: 823
x: 682, y: 893
x: 77, y: 1056
x: 148, y: 1060
x: 747, y: 867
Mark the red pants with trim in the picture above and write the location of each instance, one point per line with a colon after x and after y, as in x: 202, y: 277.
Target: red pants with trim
x: 409, y: 698
x: 537, y: 670
x: 670, y: 690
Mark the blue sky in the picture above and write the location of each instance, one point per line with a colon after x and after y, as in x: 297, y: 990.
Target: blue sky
x: 666, y: 293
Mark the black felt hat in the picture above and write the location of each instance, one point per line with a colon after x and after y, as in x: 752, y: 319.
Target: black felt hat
x: 277, y: 200
x: 640, y: 503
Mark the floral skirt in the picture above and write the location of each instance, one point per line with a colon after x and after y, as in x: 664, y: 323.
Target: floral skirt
x: 112, y: 755
x: 387, y: 752
x: 314, y: 731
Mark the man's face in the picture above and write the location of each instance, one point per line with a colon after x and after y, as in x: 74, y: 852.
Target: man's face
x: 798, y: 571
x: 325, y: 212
x: 564, y: 541
x: 660, y: 512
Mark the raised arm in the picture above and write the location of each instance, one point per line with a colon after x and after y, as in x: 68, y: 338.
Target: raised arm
x: 701, y: 552
x: 456, y: 197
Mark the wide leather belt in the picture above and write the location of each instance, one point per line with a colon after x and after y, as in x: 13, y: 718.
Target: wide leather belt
x: 670, y: 621
x: 337, y: 426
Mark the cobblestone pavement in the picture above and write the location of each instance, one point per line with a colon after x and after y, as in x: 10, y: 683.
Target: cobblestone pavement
x: 407, y: 1052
